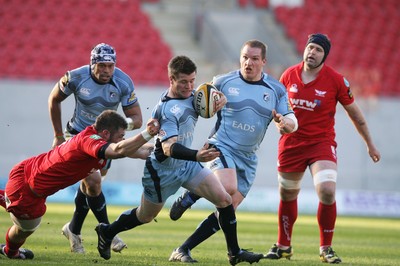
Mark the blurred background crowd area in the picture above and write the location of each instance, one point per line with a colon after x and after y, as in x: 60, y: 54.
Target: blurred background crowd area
x: 41, y: 39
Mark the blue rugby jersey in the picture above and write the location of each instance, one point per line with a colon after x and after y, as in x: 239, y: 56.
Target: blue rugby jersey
x: 248, y: 111
x: 177, y: 118
x: 92, y: 98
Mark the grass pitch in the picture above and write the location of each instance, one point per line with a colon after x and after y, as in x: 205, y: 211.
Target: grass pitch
x: 358, y: 241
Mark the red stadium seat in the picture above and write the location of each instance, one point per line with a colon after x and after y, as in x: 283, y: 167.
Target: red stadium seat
x: 58, y: 35
x: 364, y: 34
x: 261, y: 3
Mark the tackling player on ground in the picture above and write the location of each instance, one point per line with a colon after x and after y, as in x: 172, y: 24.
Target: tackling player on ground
x: 33, y: 180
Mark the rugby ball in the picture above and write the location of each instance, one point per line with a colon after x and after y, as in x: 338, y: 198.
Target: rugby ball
x: 204, y: 100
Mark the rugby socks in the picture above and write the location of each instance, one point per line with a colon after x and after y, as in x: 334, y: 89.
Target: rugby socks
x: 12, y: 249
x: 126, y: 221
x: 206, y: 228
x: 80, y: 212
x: 287, y: 215
x: 2, y: 199
x: 326, y: 216
x: 227, y: 221
x: 99, y: 208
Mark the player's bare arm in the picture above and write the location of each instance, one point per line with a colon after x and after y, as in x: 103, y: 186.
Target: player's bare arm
x: 358, y: 119
x: 178, y: 151
x: 54, y: 102
x: 133, y: 114
x: 130, y: 146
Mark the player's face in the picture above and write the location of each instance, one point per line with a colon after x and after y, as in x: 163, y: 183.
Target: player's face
x: 183, y: 85
x: 117, y: 136
x: 251, y: 63
x: 313, y: 55
x: 103, y: 72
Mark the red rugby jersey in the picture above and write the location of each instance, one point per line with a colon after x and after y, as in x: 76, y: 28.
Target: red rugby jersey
x: 315, y: 103
x: 66, y: 164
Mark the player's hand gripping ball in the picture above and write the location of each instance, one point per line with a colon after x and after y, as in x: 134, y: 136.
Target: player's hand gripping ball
x: 204, y: 100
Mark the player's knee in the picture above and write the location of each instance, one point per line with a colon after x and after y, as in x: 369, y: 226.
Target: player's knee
x: 323, y: 176
x: 92, y: 186
x: 231, y: 190
x: 145, y: 217
x: 26, y: 227
x: 326, y: 192
x: 288, y: 189
x: 327, y: 199
x: 93, y: 191
x: 325, y: 183
x: 225, y: 200
x: 287, y: 184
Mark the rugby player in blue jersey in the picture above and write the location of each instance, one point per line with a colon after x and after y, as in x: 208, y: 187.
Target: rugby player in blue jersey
x: 96, y: 87
x: 254, y: 99
x: 173, y: 164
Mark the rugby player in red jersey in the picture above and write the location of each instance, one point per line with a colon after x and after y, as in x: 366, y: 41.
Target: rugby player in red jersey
x: 314, y: 89
x: 33, y: 180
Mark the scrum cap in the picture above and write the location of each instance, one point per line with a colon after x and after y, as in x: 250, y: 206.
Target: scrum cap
x: 103, y: 53
x: 322, y: 40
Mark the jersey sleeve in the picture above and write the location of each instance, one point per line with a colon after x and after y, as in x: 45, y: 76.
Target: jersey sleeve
x: 65, y: 85
x: 94, y: 145
x: 70, y: 82
x: 345, y: 96
x: 129, y: 95
x: 129, y: 99
x: 284, y: 106
x: 217, y: 82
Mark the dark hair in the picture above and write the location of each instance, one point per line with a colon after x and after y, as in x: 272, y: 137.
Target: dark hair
x: 110, y: 120
x: 257, y: 44
x: 181, y: 64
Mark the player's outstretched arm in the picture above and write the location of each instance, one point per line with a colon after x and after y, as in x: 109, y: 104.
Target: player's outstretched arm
x: 130, y: 146
x: 178, y: 151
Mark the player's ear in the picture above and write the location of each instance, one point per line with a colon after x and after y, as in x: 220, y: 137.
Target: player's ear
x: 105, y: 134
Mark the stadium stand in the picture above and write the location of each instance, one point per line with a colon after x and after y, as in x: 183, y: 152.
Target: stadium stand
x: 42, y: 39
x: 256, y: 3
x: 364, y: 34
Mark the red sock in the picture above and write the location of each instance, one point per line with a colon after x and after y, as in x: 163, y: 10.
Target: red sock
x: 12, y: 249
x: 326, y: 219
x: 287, y: 215
x: 2, y: 199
